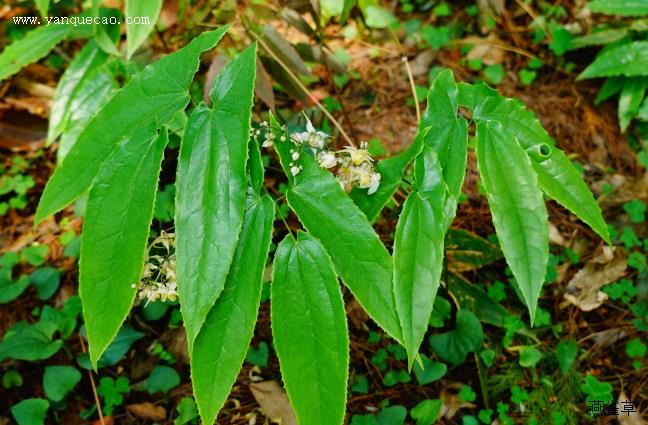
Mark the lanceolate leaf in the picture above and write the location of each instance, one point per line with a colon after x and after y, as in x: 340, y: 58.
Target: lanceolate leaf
x: 447, y: 135
x: 88, y: 59
x: 211, y: 186
x: 518, y: 210
x: 418, y: 252
x: 143, y: 15
x: 472, y: 298
x: 221, y: 345
x: 630, y: 59
x: 309, y: 330
x: 153, y: 96
x: 32, y: 47
x: 90, y: 96
x: 599, y: 38
x: 43, y: 6
x: 115, y: 232
x: 557, y: 176
x: 619, y: 7
x: 359, y: 256
x: 632, y: 93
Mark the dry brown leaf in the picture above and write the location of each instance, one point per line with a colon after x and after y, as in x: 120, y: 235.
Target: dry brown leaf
x: 629, y: 418
x: 625, y: 190
x: 148, y: 411
x: 274, y: 402
x: 107, y: 420
x: 357, y: 316
x: 486, y: 49
x: 263, y: 85
x: 583, y: 290
x: 555, y: 237
x: 176, y: 342
x: 450, y: 401
x: 422, y: 62
x: 607, y: 337
x: 216, y: 65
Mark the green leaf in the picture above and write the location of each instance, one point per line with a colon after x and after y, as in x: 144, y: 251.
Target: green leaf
x: 636, y: 348
x: 529, y: 356
x: 619, y: 7
x: 418, y: 252
x: 32, y: 47
x: 566, y: 353
x: 43, y: 7
x: 427, y: 411
x: 392, y: 415
x: 91, y: 95
x: 111, y: 391
x: 46, y: 280
x: 642, y: 115
x: 58, y: 381
x: 10, y: 290
x: 466, y: 337
x: 162, y: 379
x: 391, y: 174
x: 518, y: 210
x: 597, y: 391
x: 34, y: 254
x: 473, y: 298
x: 211, y: 186
x: 430, y: 371
x: 106, y: 35
x: 115, y: 231
x: 348, y: 5
x: 610, y: 87
x: 221, y: 345
x: 632, y: 93
x: 467, y: 251
x: 187, y: 411
x: 331, y: 8
x: 88, y: 59
x: 116, y: 350
x: 30, y: 342
x: 557, y: 176
x: 447, y: 134
x: 258, y: 356
x: 599, y: 38
x: 31, y: 411
x: 12, y: 378
x: 377, y: 16
x: 629, y: 59
x: 310, y: 330
x: 138, y: 29
x: 359, y: 256
x: 150, y: 98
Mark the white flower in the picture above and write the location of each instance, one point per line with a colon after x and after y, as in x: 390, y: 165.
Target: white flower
x: 268, y: 140
x: 295, y: 156
x: 326, y: 159
x: 310, y: 137
x: 375, y: 182
x: 294, y: 170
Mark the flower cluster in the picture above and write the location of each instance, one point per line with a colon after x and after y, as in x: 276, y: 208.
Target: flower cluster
x: 355, y: 166
x: 159, y: 277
